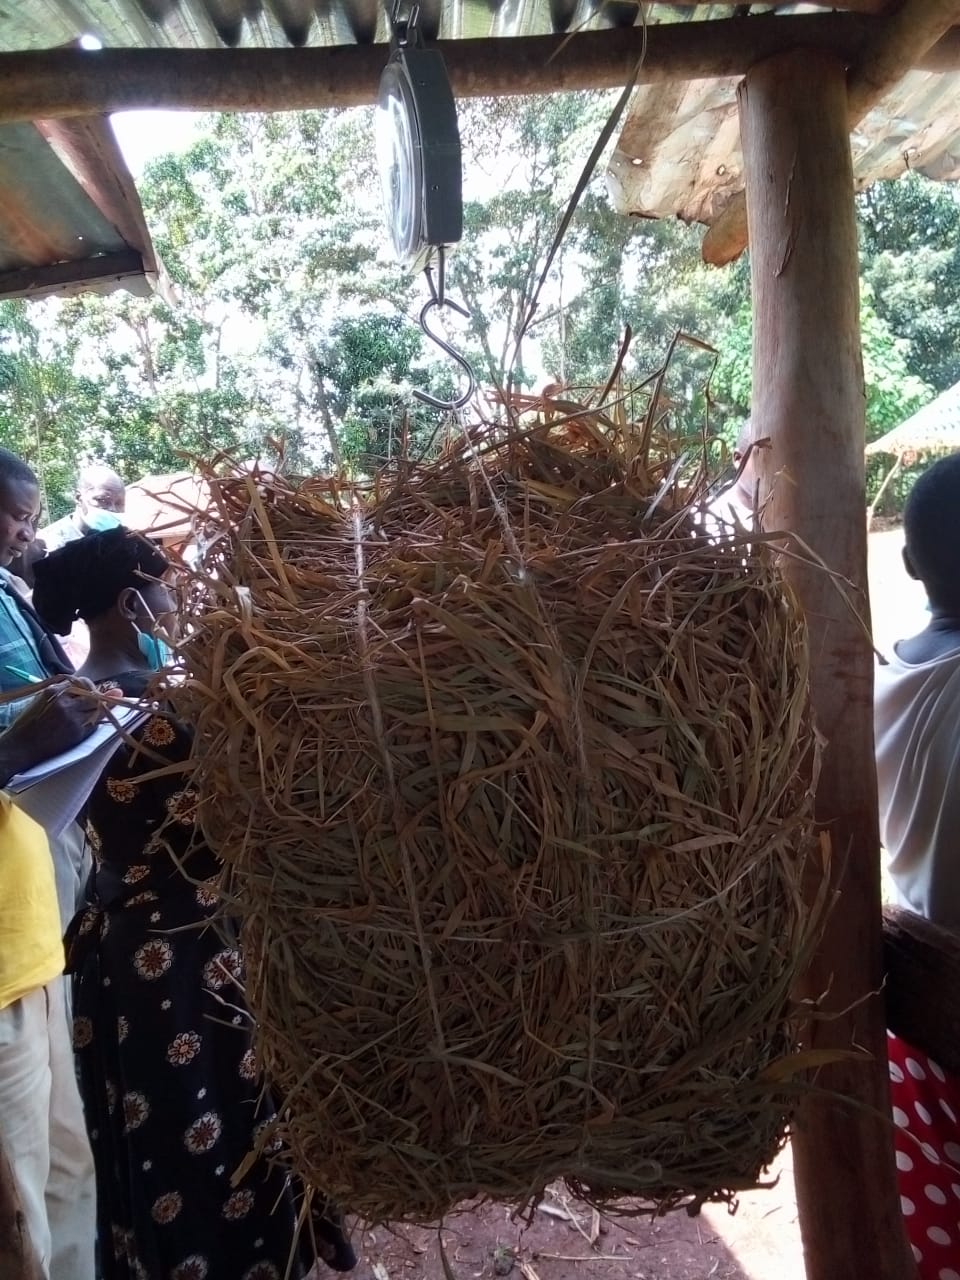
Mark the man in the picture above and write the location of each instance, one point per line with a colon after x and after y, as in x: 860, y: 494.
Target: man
x: 100, y: 495
x: 42, y: 1129
x: 917, y: 732
x: 917, y: 711
x: 28, y: 652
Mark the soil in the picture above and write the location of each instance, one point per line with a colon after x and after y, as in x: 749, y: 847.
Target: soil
x: 566, y: 1240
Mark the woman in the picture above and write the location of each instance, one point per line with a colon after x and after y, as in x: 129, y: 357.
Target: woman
x: 163, y: 1037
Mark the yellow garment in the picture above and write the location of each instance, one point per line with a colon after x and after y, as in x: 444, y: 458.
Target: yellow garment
x: 31, y: 949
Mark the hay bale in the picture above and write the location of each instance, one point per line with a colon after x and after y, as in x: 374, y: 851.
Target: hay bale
x: 511, y: 771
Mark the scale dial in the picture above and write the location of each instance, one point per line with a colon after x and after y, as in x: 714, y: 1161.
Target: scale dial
x: 418, y: 151
x: 401, y: 170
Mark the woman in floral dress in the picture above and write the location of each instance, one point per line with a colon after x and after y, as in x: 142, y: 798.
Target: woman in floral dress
x: 173, y: 1099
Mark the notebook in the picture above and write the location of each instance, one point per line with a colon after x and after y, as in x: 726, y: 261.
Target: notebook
x: 54, y: 792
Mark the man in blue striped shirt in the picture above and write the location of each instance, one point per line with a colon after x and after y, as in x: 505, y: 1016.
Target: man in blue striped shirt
x: 28, y: 653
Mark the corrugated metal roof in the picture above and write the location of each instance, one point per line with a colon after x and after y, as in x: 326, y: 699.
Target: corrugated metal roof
x: 679, y: 150
x: 43, y: 24
x: 69, y: 212
x: 933, y: 429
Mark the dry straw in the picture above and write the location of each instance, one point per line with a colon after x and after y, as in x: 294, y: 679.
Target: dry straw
x: 511, y: 770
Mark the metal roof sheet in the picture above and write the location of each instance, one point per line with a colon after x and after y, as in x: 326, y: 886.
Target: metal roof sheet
x: 70, y: 215
x: 933, y: 429
x: 679, y: 150
x: 43, y: 24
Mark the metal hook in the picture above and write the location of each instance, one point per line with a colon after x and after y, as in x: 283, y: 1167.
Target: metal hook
x: 404, y: 24
x: 458, y: 358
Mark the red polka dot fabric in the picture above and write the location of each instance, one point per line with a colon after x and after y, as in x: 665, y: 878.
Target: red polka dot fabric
x: 926, y: 1113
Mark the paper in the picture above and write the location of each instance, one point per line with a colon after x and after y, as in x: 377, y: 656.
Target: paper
x: 54, y: 792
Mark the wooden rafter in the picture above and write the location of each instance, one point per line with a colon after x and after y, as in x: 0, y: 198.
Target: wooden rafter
x: 896, y: 44
x: 59, y: 83
x: 103, y: 271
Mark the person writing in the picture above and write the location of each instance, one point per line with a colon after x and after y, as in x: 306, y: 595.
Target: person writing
x: 29, y: 654
x: 42, y: 1129
x: 917, y: 730
x: 162, y: 1032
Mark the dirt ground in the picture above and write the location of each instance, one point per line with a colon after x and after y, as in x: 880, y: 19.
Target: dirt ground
x: 565, y: 1240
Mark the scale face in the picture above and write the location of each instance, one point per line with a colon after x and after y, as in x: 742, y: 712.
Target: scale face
x: 418, y: 151
x: 401, y: 171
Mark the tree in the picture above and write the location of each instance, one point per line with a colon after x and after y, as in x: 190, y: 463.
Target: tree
x: 50, y: 413
x: 910, y: 248
x: 892, y: 392
x: 277, y: 217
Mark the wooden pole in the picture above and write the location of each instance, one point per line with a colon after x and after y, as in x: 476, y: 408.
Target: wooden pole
x: 808, y: 399
x: 58, y: 83
x: 897, y: 44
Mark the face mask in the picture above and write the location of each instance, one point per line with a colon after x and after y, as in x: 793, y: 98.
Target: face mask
x: 98, y: 521
x: 157, y: 652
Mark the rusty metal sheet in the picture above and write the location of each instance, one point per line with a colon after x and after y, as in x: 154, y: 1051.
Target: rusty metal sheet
x: 679, y: 150
x: 40, y: 24
x: 66, y: 197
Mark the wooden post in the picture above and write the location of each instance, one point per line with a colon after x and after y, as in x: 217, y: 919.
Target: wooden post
x: 808, y: 398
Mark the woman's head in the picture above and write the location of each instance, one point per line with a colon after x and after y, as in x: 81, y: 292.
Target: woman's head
x: 113, y: 581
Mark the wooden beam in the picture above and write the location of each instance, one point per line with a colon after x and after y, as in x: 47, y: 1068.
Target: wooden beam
x: 58, y: 83
x: 72, y: 276
x: 896, y: 44
x: 922, y: 963
x: 808, y: 399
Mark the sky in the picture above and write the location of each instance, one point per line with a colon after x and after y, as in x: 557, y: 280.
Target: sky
x: 144, y: 135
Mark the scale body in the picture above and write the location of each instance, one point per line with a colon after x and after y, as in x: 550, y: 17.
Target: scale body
x: 418, y: 147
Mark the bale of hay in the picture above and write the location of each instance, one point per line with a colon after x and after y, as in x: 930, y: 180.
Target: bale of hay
x: 511, y: 771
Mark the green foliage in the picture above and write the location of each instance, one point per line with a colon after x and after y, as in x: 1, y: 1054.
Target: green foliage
x: 892, y: 392
x: 910, y: 246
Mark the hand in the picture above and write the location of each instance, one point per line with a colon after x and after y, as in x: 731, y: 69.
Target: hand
x: 58, y: 717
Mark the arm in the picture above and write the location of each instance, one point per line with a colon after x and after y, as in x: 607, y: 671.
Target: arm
x: 53, y: 721
x: 10, y: 711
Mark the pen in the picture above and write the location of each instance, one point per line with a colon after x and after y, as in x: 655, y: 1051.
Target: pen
x: 23, y: 675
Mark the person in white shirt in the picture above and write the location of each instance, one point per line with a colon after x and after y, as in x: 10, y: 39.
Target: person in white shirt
x: 917, y: 732
x: 917, y: 712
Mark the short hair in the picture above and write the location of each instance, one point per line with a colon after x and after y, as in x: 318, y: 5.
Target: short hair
x: 931, y: 525
x: 14, y: 470
x: 84, y: 578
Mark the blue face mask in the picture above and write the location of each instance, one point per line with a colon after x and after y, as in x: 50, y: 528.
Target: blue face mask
x: 98, y: 521
x: 157, y: 652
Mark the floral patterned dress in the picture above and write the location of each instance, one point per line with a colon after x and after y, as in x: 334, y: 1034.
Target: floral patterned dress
x: 163, y: 1038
